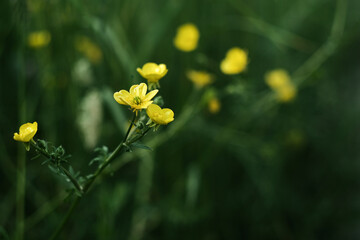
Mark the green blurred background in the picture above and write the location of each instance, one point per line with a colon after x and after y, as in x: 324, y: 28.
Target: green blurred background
x: 257, y: 169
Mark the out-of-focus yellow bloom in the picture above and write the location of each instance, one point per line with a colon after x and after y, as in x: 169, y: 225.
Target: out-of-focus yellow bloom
x: 160, y: 116
x: 200, y: 78
x: 277, y: 78
x: 39, y: 39
x: 234, y: 62
x: 187, y: 37
x: 214, y: 105
x: 136, y: 98
x: 286, y: 93
x: 153, y: 73
x: 26, y: 132
x: 91, y: 50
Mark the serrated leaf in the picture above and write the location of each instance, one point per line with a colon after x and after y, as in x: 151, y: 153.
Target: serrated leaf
x: 140, y: 145
x: 53, y: 169
x: 35, y: 157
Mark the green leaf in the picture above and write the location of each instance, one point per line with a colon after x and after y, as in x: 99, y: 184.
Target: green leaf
x: 140, y: 145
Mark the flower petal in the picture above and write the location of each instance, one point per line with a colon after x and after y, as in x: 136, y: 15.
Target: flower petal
x: 17, y: 137
x: 150, y: 95
x: 133, y: 89
x: 140, y: 71
x: 123, y: 97
x: 142, y: 90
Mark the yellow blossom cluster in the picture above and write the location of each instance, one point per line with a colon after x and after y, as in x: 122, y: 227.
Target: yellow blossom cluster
x: 280, y: 82
x: 139, y: 98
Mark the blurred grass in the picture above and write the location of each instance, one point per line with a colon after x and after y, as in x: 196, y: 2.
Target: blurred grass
x: 258, y: 169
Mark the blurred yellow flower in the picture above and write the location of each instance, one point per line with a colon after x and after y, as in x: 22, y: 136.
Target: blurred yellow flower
x: 234, y: 62
x: 286, y: 93
x: 153, y: 73
x: 277, y: 78
x: 200, y: 78
x: 91, y: 50
x: 39, y: 39
x: 26, y: 132
x: 160, y: 116
x: 137, y: 98
x: 214, y: 105
x: 187, y: 37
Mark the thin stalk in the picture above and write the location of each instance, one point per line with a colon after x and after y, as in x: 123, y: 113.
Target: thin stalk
x: 91, y: 181
x: 66, y: 218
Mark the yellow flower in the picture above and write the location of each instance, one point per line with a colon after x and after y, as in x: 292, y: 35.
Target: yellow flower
x: 286, y: 93
x: 277, y: 78
x: 39, y: 39
x: 89, y: 49
x: 136, y: 98
x: 187, y: 37
x: 160, y: 116
x: 235, y: 61
x: 214, y: 105
x: 200, y: 78
x: 26, y: 132
x: 153, y: 73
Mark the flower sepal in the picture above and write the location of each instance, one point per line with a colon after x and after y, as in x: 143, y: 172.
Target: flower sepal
x: 153, y: 125
x: 27, y: 146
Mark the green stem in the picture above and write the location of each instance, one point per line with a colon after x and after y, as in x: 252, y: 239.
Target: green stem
x: 64, y: 170
x: 65, y: 219
x: 91, y: 181
x: 111, y: 157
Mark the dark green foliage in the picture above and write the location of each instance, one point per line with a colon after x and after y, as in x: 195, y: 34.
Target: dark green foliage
x: 258, y: 169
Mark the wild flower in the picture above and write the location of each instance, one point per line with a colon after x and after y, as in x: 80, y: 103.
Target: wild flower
x: 39, y: 39
x: 234, y: 62
x: 158, y: 115
x: 136, y: 98
x: 26, y: 132
x: 200, y: 78
x: 90, y: 49
x: 187, y: 37
x: 280, y: 82
x: 153, y: 72
x: 214, y: 105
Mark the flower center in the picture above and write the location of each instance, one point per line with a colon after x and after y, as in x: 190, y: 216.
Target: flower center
x: 137, y: 100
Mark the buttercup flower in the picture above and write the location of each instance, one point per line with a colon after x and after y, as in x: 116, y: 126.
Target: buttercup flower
x: 200, y: 78
x: 136, y: 98
x: 187, y: 37
x: 39, y: 39
x: 214, y: 105
x: 277, y: 78
x: 26, y: 132
x: 89, y: 49
x: 286, y: 93
x: 158, y: 115
x: 153, y: 73
x: 235, y: 61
